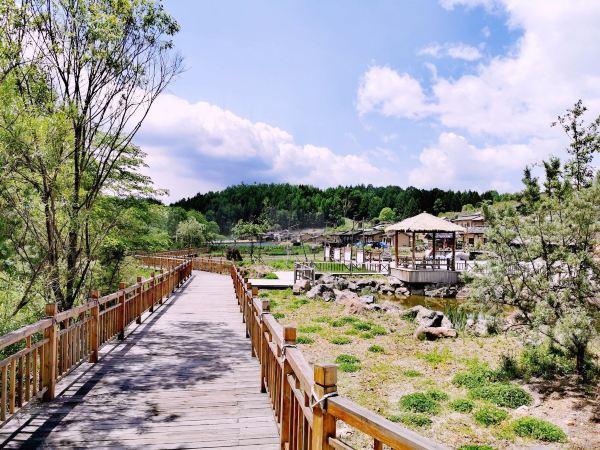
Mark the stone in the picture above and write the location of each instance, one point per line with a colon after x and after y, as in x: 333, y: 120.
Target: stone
x: 367, y: 299
x: 328, y: 296
x: 352, y: 286
x: 386, y: 289
x: 301, y: 286
x: 316, y: 291
x: 440, y: 290
x: 389, y: 306
x: 433, y: 333
x: 401, y: 292
x: 395, y: 282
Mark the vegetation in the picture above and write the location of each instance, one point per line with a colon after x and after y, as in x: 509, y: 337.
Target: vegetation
x: 348, y: 363
x: 502, y: 394
x: 341, y: 340
x: 490, y: 415
x: 420, y: 402
x: 462, y: 405
x: 414, y: 420
x: 531, y: 427
x: 376, y: 349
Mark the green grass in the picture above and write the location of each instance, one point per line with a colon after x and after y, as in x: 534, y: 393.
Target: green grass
x: 530, y: 427
x: 378, y: 330
x: 414, y: 420
x: 304, y: 340
x: 361, y: 326
x: 341, y: 340
x: 278, y: 315
x: 376, y: 349
x: 502, y: 394
x: 419, y: 402
x: 437, y: 395
x: 343, y: 358
x: 310, y: 329
x: 322, y: 319
x: 490, y: 415
x: 367, y: 335
x: 436, y: 356
x: 349, y: 367
x: 478, y: 376
x: 475, y: 447
x: 462, y: 405
x: 412, y: 373
x: 271, y: 276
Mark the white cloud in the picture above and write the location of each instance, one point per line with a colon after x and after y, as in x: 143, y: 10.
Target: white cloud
x: 486, y: 32
x: 451, y: 4
x: 390, y: 93
x: 196, y: 147
x: 457, y: 51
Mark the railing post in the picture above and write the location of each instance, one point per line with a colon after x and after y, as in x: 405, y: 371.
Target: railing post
x: 325, y: 376
x: 50, y: 355
x: 263, y: 346
x: 122, y: 311
x: 94, y: 327
x: 139, y: 301
x: 151, y: 291
x: 289, y: 337
x: 162, y: 286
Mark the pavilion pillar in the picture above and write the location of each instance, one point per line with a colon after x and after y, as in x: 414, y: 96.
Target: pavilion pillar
x: 433, y: 262
x: 396, y: 246
x: 413, y: 248
x: 454, y: 250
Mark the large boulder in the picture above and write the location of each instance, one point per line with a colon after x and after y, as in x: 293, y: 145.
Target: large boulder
x: 401, y: 291
x: 425, y: 317
x: 301, y: 286
x: 351, y: 301
x: 386, y: 289
x: 395, y: 282
x: 316, y: 291
x: 433, y: 333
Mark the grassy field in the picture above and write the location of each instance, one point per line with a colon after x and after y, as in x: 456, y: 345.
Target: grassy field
x: 446, y: 390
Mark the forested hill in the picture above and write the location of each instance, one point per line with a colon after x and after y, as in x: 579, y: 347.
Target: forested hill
x: 305, y: 206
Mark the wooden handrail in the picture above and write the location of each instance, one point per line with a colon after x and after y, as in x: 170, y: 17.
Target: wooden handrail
x: 54, y: 346
x: 295, y: 388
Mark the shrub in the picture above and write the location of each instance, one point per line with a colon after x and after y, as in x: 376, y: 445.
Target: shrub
x: 490, y: 415
x: 233, y: 254
x: 349, y: 319
x: 545, y: 361
x: 270, y: 276
x: 310, y: 329
x: 349, y: 367
x: 304, y: 340
x: 361, y: 326
x: 462, y: 405
x: 351, y: 332
x: 341, y: 340
x: 279, y: 315
x: 509, y: 368
x: 412, y: 420
x: 337, y: 323
x: 343, y: 358
x: 502, y: 394
x: 477, y: 376
x: 376, y: 349
x: 437, y: 395
x: 458, y: 315
x: 419, y: 402
x: 367, y: 335
x: 412, y: 373
x: 378, y: 330
x: 533, y: 428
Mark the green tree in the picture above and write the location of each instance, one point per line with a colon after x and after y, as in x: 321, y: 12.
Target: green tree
x: 387, y: 214
x: 77, y: 80
x: 191, y: 233
x: 251, y: 230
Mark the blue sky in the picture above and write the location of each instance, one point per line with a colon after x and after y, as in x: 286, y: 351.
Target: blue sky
x: 454, y: 94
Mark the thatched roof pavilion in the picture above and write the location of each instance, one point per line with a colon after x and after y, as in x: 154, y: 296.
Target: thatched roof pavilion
x: 425, y: 223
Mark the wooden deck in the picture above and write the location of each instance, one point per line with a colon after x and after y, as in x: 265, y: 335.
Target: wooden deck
x: 184, y: 378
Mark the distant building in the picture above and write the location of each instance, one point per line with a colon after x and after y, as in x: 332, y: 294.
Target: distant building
x: 474, y: 223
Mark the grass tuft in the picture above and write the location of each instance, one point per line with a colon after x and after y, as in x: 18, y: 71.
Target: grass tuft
x: 490, y: 415
x: 530, y: 427
x: 279, y: 315
x: 304, y: 340
x: 310, y: 329
x: 412, y: 420
x: 502, y: 394
x: 341, y: 340
x: 436, y: 356
x: 462, y: 405
x: 376, y: 349
x: 419, y: 402
x: 412, y: 373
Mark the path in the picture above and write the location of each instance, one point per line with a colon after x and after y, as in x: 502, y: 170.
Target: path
x: 182, y: 379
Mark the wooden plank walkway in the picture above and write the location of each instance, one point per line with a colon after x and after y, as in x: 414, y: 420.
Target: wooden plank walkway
x: 184, y: 378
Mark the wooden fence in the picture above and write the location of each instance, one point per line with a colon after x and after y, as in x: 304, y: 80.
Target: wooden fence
x: 304, y: 399
x: 52, y: 347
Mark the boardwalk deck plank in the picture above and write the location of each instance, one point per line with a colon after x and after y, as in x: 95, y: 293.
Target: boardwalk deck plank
x: 182, y: 379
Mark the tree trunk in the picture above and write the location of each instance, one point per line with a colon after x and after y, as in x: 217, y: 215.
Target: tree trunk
x: 580, y: 354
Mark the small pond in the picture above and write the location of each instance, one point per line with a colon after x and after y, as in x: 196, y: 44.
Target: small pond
x: 435, y: 303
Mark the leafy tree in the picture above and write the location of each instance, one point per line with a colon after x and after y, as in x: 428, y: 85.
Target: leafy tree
x: 191, y: 233
x: 77, y: 80
x: 387, y: 214
x: 251, y: 230
x: 544, y: 265
x: 585, y: 142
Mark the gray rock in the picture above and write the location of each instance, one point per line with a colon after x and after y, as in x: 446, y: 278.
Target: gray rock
x: 401, y: 292
x: 352, y: 286
x: 389, y: 306
x: 395, y: 282
x: 301, y: 286
x: 433, y: 333
x: 328, y: 296
x: 386, y: 289
x: 368, y: 299
x: 316, y: 291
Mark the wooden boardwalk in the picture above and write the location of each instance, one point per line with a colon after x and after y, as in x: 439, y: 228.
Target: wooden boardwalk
x: 184, y: 378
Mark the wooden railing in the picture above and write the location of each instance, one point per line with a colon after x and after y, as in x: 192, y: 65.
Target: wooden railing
x: 304, y: 271
x: 424, y: 264
x: 216, y: 265
x: 49, y: 349
x: 304, y: 398
x: 352, y: 267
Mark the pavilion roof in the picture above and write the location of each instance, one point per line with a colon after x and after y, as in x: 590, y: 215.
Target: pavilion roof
x: 425, y: 223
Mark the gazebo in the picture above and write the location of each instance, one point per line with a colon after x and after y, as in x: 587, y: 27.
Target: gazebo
x: 425, y: 223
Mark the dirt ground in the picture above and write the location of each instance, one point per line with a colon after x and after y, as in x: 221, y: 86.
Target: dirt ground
x: 409, y: 365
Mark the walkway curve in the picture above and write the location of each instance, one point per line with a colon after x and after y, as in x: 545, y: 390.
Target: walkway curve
x: 184, y: 378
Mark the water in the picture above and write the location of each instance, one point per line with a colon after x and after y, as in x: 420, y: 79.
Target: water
x: 435, y: 303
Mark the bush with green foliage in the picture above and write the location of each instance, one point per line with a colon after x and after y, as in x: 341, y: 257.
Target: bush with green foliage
x: 341, y: 340
x: 278, y: 315
x: 361, y: 326
x: 437, y: 395
x: 304, y: 340
x: 367, y: 335
x: 533, y: 428
x: 378, y: 330
x: 270, y: 276
x: 477, y: 376
x: 502, y: 394
x: 348, y: 363
x: 376, y: 349
x: 419, y: 402
x: 490, y: 415
x: 462, y: 405
x: 412, y: 420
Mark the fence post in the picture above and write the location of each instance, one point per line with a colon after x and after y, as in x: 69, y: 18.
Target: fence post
x: 139, y: 301
x: 151, y: 291
x: 289, y: 338
x: 162, y: 286
x: 263, y: 346
x: 325, y: 376
x: 122, y: 311
x: 50, y: 355
x: 94, y: 327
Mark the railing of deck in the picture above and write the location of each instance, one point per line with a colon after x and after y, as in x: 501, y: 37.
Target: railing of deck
x: 46, y: 351
x: 305, y: 400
